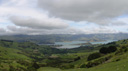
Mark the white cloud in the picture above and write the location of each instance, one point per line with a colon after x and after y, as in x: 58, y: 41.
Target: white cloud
x: 39, y: 23
x: 30, y: 17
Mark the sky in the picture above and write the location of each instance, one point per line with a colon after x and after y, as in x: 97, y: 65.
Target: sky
x: 39, y: 17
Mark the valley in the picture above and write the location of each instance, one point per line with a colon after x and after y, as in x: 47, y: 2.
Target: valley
x: 63, y: 35
x: 29, y: 56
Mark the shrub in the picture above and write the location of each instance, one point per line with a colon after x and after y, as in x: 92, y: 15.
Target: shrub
x: 109, y: 49
x: 78, y: 58
x: 35, y: 65
x: 94, y: 56
x: 122, y: 50
x: 103, y: 50
x: 112, y: 49
x: 97, y: 61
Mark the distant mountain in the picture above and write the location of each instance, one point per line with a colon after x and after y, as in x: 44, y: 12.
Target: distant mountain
x: 48, y: 39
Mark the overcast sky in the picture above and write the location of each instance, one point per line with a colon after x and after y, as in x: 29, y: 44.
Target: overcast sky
x: 35, y: 17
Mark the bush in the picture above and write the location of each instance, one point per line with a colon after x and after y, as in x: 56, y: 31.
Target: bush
x: 78, y: 58
x: 67, y: 66
x: 112, y: 49
x: 109, y: 49
x: 104, y: 50
x: 97, y: 61
x: 122, y: 50
x: 94, y: 56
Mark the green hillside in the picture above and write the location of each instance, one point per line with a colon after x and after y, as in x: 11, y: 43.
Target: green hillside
x: 28, y: 56
x: 121, y: 65
x: 11, y: 58
x: 118, y: 60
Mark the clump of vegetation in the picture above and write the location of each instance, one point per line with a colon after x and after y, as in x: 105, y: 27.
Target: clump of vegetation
x: 122, y: 50
x: 94, y: 56
x: 97, y: 61
x: 109, y: 49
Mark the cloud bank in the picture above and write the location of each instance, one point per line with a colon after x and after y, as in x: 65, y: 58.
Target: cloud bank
x: 97, y: 11
x: 38, y: 17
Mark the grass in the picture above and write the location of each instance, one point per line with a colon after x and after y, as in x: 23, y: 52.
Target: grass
x: 10, y: 57
x: 9, y: 53
x: 114, y: 66
x: 121, y: 65
x: 49, y: 69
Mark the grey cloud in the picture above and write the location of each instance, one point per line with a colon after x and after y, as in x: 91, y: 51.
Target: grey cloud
x: 22, y: 30
x: 101, y: 30
x: 118, y: 23
x: 50, y: 23
x: 98, y: 11
x: 32, y: 31
x: 2, y: 30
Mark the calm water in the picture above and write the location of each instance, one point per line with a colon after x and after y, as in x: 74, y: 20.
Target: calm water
x: 71, y: 44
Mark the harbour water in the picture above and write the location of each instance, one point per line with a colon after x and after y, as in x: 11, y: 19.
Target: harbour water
x: 72, y: 44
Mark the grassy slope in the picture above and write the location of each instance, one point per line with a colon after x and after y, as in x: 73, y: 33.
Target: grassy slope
x: 81, y: 61
x: 121, y: 65
x: 118, y: 62
x: 14, y: 54
x: 10, y: 53
x: 9, y: 57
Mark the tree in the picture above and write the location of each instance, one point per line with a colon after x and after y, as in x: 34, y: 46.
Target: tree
x: 94, y: 56
x: 112, y: 49
x: 35, y: 65
x: 109, y: 49
x: 104, y: 50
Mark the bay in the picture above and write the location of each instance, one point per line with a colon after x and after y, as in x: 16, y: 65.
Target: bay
x: 72, y: 44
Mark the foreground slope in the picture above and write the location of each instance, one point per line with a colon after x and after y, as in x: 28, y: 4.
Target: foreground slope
x: 117, y: 62
x: 27, y: 56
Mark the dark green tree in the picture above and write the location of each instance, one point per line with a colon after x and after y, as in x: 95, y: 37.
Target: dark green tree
x: 104, y: 50
x: 94, y: 56
x: 112, y: 49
